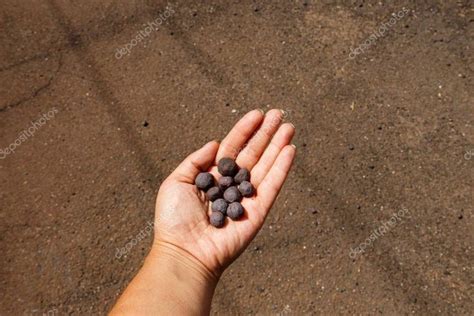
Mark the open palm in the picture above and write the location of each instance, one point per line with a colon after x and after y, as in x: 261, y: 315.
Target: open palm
x: 259, y: 143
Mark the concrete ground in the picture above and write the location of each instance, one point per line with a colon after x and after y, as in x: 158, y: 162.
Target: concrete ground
x: 383, y: 108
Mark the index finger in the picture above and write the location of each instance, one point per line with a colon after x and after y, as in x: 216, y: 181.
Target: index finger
x: 232, y: 144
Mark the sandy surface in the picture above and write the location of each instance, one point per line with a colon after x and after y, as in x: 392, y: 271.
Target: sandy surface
x: 385, y: 130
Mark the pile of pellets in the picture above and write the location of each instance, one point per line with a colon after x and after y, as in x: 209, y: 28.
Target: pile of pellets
x: 227, y: 194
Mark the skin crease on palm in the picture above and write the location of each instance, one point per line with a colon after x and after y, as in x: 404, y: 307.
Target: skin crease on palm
x: 259, y: 143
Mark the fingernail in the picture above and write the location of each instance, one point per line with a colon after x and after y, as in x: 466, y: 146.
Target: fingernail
x: 294, y: 127
x: 293, y: 145
x: 262, y: 111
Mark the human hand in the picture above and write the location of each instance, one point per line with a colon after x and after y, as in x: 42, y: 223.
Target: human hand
x: 182, y: 211
x: 188, y: 255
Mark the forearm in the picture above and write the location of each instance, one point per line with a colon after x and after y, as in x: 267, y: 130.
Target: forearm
x: 170, y: 282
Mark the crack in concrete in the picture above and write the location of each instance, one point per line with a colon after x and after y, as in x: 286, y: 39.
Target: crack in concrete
x: 35, y: 92
x: 110, y: 103
x: 25, y: 61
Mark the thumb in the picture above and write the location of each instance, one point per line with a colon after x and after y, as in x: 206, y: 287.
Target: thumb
x: 195, y: 163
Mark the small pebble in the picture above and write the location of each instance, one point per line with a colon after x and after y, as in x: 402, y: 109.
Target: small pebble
x: 225, y: 182
x: 227, y: 167
x: 214, y: 193
x: 235, y: 210
x: 242, y: 175
x: 246, y: 188
x: 232, y: 194
x: 204, y: 181
x: 219, y: 205
x: 226, y: 193
x: 217, y: 219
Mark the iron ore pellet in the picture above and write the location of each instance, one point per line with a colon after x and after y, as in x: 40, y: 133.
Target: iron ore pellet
x: 232, y: 194
x: 204, y: 181
x: 225, y: 182
x: 246, y: 188
x: 219, y: 205
x: 235, y: 210
x: 242, y: 175
x: 227, y: 167
x: 214, y: 193
x: 217, y: 219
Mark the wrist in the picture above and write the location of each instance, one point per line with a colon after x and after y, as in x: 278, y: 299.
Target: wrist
x: 192, y: 285
x: 171, y: 282
x: 169, y: 255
